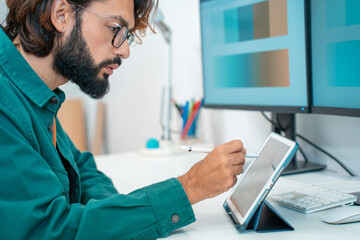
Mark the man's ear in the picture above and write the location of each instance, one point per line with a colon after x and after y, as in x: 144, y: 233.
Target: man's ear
x: 62, y: 16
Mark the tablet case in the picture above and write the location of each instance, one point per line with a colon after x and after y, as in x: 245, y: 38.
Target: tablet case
x: 265, y: 219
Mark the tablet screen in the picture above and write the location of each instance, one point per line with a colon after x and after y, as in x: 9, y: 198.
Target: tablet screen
x: 259, y: 173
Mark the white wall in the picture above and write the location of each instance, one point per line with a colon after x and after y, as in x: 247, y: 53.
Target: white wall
x: 338, y: 135
x: 3, y: 11
x: 133, y: 104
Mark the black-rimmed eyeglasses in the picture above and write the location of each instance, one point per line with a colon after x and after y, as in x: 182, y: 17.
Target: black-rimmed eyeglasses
x: 121, y: 33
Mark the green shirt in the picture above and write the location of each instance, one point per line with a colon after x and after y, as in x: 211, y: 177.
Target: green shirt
x: 49, y: 193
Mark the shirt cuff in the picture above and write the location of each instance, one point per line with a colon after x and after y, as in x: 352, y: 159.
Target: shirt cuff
x: 171, y: 205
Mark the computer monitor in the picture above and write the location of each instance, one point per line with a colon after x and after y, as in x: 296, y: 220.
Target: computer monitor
x: 335, y: 44
x: 254, y: 56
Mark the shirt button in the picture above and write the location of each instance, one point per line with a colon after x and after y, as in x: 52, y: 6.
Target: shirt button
x: 50, y: 127
x: 175, y: 218
x: 54, y: 100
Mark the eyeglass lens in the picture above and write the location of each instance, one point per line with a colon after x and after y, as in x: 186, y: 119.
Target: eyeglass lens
x: 121, y: 36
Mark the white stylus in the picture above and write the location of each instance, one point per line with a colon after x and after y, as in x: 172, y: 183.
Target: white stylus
x: 207, y: 150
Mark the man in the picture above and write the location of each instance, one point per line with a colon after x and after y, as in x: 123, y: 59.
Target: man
x: 49, y: 190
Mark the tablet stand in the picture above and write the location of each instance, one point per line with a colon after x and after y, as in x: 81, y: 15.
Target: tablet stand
x: 266, y: 218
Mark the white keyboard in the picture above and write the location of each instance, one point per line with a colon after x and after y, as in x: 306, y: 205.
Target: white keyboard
x: 307, y: 198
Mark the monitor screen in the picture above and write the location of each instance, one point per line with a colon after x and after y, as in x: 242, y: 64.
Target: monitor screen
x: 254, y: 54
x: 335, y: 44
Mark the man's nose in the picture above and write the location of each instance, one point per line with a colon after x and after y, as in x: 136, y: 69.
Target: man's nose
x: 123, y: 51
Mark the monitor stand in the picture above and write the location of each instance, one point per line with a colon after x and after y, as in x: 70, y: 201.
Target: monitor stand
x: 286, y: 123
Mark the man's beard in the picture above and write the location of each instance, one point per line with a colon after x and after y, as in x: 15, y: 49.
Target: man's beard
x: 73, y: 61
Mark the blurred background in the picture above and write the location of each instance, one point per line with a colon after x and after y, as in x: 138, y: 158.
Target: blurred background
x: 132, y: 107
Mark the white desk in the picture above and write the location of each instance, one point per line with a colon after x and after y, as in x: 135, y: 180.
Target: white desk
x: 130, y: 171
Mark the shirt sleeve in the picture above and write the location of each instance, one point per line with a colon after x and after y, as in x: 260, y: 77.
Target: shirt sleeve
x: 33, y: 200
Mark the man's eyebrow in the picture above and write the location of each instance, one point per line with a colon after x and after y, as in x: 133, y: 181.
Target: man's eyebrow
x: 121, y: 20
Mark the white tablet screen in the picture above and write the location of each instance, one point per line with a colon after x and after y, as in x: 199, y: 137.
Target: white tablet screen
x: 257, y: 176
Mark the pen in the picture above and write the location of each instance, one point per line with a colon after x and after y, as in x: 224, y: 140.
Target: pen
x: 207, y: 150
x: 180, y: 110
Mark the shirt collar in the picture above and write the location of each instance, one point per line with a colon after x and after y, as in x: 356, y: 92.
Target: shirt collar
x: 21, y: 74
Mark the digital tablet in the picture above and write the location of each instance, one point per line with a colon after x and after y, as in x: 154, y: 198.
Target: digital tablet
x: 256, y: 181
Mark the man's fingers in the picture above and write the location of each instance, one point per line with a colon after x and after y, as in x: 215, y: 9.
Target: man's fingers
x: 237, y: 159
x: 234, y: 146
x: 244, y: 151
x: 237, y: 170
x: 235, y: 180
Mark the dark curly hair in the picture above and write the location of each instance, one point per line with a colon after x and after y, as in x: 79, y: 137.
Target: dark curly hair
x: 31, y: 21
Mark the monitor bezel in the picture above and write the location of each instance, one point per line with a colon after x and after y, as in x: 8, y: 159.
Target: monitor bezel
x: 279, y: 108
x: 347, y: 112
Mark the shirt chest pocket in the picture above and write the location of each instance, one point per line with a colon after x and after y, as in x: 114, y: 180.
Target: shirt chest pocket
x: 63, y: 178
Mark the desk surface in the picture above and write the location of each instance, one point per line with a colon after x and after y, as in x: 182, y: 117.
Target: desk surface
x: 131, y: 170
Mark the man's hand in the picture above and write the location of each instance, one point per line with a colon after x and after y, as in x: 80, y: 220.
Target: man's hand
x: 216, y: 173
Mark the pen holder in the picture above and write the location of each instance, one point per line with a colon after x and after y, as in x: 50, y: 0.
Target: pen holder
x: 189, y: 114
x: 191, y: 133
